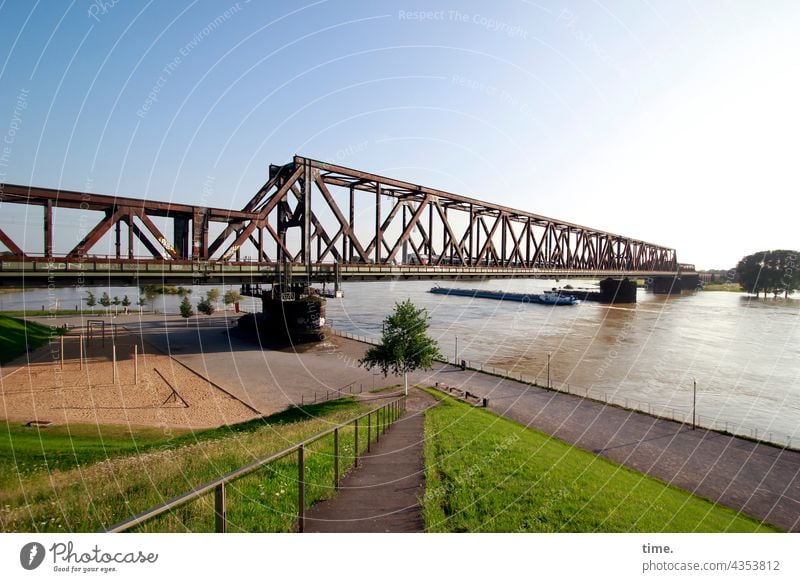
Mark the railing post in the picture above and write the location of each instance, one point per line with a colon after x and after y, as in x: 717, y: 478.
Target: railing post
x: 369, y: 431
x: 220, y: 511
x: 378, y: 425
x: 301, y: 488
x: 356, y: 443
x: 336, y: 459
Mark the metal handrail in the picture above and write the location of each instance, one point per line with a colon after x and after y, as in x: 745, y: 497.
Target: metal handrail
x: 393, y: 408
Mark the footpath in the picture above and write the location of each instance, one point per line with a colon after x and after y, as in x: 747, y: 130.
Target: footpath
x: 382, y: 494
x: 760, y: 480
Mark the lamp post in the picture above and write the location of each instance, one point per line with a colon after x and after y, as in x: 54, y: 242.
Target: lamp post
x: 694, y: 403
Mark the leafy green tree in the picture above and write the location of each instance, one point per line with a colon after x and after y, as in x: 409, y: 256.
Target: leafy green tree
x: 205, y: 306
x: 91, y: 300
x: 186, y: 307
x: 770, y: 271
x: 231, y: 297
x: 405, y: 345
x: 126, y: 303
x: 151, y: 293
x: 105, y: 300
x: 212, y: 295
x: 183, y: 291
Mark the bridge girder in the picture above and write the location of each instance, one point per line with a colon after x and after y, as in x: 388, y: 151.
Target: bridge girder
x: 311, y: 212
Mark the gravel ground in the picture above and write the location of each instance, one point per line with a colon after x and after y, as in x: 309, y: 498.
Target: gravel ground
x: 167, y: 394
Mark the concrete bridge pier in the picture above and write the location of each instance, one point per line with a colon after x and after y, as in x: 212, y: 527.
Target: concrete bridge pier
x: 690, y: 282
x: 668, y: 285
x: 617, y: 290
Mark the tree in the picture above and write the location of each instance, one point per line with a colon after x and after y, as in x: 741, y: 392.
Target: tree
x: 205, y: 306
x: 405, y: 345
x: 126, y: 303
x: 105, y: 300
x: 769, y: 271
x: 115, y: 302
x: 186, y: 307
x: 212, y: 295
x: 91, y: 300
x: 151, y: 293
x: 231, y: 297
x: 183, y: 291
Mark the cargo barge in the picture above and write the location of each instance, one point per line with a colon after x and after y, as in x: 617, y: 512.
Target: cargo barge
x: 546, y: 298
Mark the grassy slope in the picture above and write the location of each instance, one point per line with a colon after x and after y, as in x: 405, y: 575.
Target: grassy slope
x: 15, y: 334
x: 486, y: 473
x: 82, y: 478
x: 731, y: 287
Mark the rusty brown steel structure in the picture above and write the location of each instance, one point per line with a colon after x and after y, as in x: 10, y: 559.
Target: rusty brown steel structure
x: 310, y: 215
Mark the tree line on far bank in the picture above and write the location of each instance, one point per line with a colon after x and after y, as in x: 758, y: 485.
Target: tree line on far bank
x: 773, y: 272
x: 149, y: 293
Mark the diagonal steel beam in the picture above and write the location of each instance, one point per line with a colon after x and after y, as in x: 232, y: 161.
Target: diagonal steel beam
x: 409, y: 227
x: 156, y: 233
x: 12, y: 246
x: 96, y: 233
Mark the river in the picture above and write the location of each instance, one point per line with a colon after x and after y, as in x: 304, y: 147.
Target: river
x: 744, y: 353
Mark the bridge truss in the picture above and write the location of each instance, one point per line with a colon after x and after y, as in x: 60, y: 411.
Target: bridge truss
x: 312, y: 215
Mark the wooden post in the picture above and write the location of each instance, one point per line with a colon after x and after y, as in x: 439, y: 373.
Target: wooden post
x: 220, y: 517
x: 301, y: 489
x: 356, y: 443
x: 336, y: 459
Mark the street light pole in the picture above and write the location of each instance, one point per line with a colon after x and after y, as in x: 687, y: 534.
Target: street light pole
x: 694, y: 403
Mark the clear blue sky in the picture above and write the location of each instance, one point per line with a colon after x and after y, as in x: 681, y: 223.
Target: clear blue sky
x: 671, y: 121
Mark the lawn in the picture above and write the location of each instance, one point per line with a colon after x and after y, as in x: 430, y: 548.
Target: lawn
x: 16, y: 334
x: 86, y: 478
x: 485, y: 473
x: 730, y: 287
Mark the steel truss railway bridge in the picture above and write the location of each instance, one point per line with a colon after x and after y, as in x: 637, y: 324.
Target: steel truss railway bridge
x: 315, y: 221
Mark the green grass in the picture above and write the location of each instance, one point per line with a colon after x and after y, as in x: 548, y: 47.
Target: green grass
x: 16, y: 334
x: 732, y: 287
x: 53, y: 312
x: 82, y: 478
x: 485, y: 473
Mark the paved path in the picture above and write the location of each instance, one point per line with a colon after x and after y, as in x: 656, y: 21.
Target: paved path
x: 760, y: 480
x: 382, y: 494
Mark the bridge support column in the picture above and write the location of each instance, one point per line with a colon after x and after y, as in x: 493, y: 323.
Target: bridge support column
x: 669, y: 285
x: 617, y: 291
x: 181, y: 236
x: 690, y: 282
